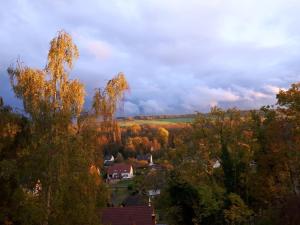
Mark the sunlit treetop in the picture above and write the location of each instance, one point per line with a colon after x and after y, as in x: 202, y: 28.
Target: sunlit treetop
x: 63, y: 52
x: 50, y: 91
x: 290, y: 98
x: 105, y: 101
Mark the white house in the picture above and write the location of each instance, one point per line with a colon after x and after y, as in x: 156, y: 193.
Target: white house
x: 216, y: 164
x: 120, y: 171
x: 153, y: 192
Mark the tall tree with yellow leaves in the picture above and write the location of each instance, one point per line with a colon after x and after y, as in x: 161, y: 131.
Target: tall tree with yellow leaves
x: 61, y: 159
x: 105, y: 103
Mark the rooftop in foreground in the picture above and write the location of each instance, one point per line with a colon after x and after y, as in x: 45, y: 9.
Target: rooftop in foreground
x: 131, y: 215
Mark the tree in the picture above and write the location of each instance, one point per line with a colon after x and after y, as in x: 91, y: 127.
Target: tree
x: 163, y: 136
x: 238, y: 212
x: 105, y: 104
x: 289, y: 106
x: 49, y: 92
x: 183, y: 197
x: 59, y: 158
x: 17, y: 204
x: 135, y: 129
x: 290, y: 100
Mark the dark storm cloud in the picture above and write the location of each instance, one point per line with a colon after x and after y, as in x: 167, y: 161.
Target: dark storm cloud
x: 179, y: 56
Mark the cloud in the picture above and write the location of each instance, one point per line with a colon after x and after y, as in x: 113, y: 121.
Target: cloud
x: 99, y: 49
x: 152, y: 106
x: 130, y: 108
x: 249, y: 94
x: 273, y: 89
x: 203, y: 97
x: 177, y: 56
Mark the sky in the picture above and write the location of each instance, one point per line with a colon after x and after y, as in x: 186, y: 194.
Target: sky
x: 179, y: 56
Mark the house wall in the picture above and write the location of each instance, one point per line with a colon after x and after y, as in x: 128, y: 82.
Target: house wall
x: 121, y: 175
x: 128, y: 175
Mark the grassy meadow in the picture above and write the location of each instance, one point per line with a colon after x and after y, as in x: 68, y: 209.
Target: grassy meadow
x: 157, y: 122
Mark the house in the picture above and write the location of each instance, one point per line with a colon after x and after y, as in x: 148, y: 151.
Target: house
x: 120, y: 171
x: 131, y: 215
x: 147, y: 157
x: 216, y: 164
x: 108, y: 159
x: 153, y: 192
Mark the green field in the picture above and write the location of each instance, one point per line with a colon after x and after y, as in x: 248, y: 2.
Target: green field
x: 161, y: 122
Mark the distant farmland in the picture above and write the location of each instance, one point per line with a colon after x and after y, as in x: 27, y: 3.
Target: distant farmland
x: 157, y: 122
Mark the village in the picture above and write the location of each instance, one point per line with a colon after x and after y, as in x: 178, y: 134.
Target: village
x: 149, y: 112
x: 129, y: 203
x: 135, y: 184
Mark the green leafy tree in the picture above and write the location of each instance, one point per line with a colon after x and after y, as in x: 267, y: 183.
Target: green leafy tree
x: 17, y: 204
x: 238, y: 212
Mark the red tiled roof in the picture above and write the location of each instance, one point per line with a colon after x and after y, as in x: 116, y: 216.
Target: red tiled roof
x: 131, y: 215
x: 119, y: 168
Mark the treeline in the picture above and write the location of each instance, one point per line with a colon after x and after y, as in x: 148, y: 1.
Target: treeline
x: 233, y: 168
x: 154, y: 117
x: 138, y: 140
x: 167, y: 116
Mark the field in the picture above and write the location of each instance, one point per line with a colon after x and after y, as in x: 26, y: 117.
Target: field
x: 157, y: 122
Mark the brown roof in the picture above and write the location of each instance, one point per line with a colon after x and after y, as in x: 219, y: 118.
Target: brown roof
x: 119, y: 168
x: 131, y: 215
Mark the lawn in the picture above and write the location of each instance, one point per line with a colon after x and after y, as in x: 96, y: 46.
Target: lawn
x: 120, y: 191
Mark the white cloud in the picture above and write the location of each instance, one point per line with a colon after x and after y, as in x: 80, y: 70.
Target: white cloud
x: 152, y: 106
x: 203, y: 97
x: 99, y: 49
x: 252, y: 95
x: 177, y: 56
x: 273, y: 89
